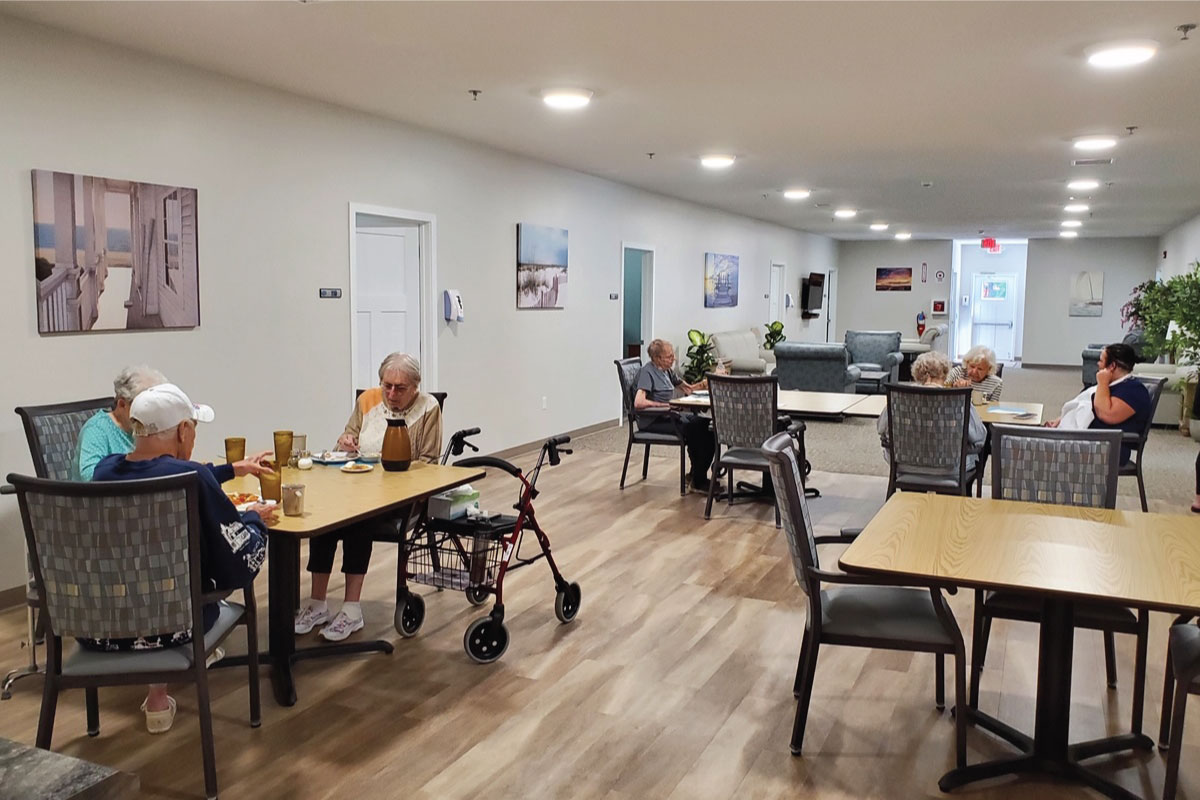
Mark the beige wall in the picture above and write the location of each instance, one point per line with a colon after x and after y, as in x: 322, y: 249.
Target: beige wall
x: 1182, y: 246
x: 860, y: 307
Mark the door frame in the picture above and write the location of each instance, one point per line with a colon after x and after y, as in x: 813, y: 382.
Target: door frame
x: 427, y: 238
x: 782, y: 289
x: 644, y: 248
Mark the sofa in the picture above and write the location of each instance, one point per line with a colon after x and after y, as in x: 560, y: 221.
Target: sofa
x: 1091, y: 355
x: 744, y: 352
x: 1170, y: 402
x: 815, y: 367
x: 877, y: 351
x: 934, y: 338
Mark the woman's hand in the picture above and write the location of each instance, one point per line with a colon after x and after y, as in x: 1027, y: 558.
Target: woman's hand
x: 1103, y: 377
x: 961, y: 383
x: 269, y: 513
x: 348, y: 442
x: 253, y: 465
x: 1052, y: 423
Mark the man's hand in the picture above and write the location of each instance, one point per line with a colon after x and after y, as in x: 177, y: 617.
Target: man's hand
x: 348, y: 441
x: 686, y: 388
x: 269, y: 513
x: 253, y: 465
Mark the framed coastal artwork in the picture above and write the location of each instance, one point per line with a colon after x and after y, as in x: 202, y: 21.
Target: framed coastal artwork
x: 1087, y: 294
x: 720, y: 280
x: 541, y: 266
x: 111, y: 254
x: 893, y: 279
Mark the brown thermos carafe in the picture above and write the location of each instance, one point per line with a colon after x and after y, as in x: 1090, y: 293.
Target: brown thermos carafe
x: 397, y: 446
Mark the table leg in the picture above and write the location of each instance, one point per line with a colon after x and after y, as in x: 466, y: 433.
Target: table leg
x: 1049, y: 752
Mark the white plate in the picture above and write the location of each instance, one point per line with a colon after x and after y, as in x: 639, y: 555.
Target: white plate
x: 332, y: 457
x: 246, y: 506
x: 356, y: 467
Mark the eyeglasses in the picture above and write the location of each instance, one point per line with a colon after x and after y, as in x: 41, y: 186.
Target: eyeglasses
x: 394, y: 387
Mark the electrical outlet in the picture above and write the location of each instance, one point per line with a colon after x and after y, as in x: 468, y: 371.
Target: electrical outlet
x: 544, y: 403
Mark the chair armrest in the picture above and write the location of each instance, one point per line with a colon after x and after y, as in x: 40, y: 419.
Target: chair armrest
x: 7, y: 489
x: 1130, y: 438
x: 853, y: 373
x: 845, y: 578
x: 841, y: 538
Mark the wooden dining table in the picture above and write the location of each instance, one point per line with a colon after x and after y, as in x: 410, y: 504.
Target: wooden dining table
x: 332, y: 500
x: 1058, y: 554
x: 806, y: 404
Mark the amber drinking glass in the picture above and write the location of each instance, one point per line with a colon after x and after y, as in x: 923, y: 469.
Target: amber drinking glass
x: 235, y: 449
x: 283, y: 446
x: 272, y: 484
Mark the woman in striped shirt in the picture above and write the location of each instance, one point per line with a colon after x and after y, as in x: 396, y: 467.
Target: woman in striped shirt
x: 978, y: 371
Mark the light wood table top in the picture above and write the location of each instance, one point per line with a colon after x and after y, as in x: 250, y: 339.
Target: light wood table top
x: 790, y: 402
x: 333, y: 498
x: 869, y: 405
x: 1131, y: 557
x: 989, y: 417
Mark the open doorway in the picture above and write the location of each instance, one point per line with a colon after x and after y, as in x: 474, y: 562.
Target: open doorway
x: 775, y: 293
x: 392, y: 280
x: 637, y: 299
x: 990, y: 307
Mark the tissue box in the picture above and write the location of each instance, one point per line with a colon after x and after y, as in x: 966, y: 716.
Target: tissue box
x: 454, y: 503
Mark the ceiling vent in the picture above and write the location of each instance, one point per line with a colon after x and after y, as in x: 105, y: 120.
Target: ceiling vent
x: 1091, y: 162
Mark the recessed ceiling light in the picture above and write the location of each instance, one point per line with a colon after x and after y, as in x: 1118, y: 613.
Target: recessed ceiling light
x: 1094, y: 143
x: 845, y: 213
x: 879, y: 226
x: 1076, y: 208
x: 716, y: 161
x: 1083, y: 185
x: 904, y: 236
x: 1068, y: 234
x: 1114, y: 55
x: 1072, y: 223
x: 566, y: 99
x: 796, y: 194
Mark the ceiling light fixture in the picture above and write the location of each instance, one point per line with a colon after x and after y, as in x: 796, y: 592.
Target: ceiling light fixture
x: 1085, y: 185
x: 845, y: 213
x: 1092, y: 144
x: 1076, y: 208
x: 904, y: 236
x: 1068, y: 234
x: 796, y: 194
x: 1072, y: 223
x: 566, y: 99
x: 716, y: 161
x: 1115, y: 55
x: 879, y: 226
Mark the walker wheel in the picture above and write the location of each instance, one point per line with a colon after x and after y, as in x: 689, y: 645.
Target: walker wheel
x: 477, y: 595
x: 566, y: 604
x: 410, y: 615
x: 486, y: 640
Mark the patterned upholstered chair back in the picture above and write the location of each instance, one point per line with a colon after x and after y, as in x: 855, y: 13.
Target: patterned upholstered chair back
x: 627, y: 370
x: 871, y: 347
x: 1049, y: 465
x: 780, y: 451
x: 927, y: 427
x: 52, y: 432
x: 744, y: 409
x: 114, y: 559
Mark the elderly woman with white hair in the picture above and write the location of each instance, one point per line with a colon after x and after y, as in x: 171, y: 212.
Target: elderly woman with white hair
x: 111, y: 432
x: 398, y: 396
x: 931, y: 369
x: 978, y: 371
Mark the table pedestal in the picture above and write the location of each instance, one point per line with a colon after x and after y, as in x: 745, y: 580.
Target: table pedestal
x: 1049, y: 752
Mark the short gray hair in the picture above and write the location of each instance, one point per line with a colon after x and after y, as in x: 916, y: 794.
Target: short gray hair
x: 981, y: 353
x: 656, y: 346
x: 132, y: 381
x: 401, y: 362
x: 931, y: 366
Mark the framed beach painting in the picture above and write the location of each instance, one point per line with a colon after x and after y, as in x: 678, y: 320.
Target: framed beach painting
x: 541, y: 266
x: 720, y: 280
x: 112, y: 254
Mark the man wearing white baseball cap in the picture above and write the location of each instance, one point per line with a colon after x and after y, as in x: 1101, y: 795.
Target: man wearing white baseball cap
x: 233, y: 544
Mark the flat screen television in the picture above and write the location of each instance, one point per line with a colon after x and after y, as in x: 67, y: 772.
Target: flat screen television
x: 812, y: 291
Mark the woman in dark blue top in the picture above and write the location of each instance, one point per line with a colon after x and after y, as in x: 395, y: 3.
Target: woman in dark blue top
x: 1121, y: 402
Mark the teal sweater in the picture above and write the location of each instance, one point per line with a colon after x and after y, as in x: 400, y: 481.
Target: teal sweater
x: 99, y: 437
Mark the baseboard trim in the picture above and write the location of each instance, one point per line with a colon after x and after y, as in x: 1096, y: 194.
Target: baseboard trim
x: 12, y: 597
x: 1063, y: 367
x: 537, y: 443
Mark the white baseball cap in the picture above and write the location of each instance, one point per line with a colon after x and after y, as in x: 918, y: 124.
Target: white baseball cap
x: 162, y: 407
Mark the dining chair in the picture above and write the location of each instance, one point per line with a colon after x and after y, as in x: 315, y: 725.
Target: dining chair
x: 1062, y: 467
x: 1137, y: 441
x: 51, y: 431
x: 1183, y: 678
x: 856, y: 610
x: 121, y: 559
x: 745, y: 414
x: 627, y: 371
x: 928, y: 439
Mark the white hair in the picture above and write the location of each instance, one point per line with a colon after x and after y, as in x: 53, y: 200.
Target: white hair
x: 980, y: 353
x: 132, y: 381
x: 930, y: 366
x: 401, y: 362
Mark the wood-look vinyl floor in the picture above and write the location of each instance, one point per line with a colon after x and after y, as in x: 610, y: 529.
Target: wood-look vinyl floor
x: 674, y: 681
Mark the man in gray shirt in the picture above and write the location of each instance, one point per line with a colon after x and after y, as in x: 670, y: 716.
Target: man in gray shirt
x: 655, y: 386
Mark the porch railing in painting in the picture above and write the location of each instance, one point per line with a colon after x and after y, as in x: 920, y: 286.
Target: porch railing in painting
x: 58, y: 301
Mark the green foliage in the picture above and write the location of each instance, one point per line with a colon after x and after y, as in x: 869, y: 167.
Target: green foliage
x: 774, y: 335
x: 1154, y: 305
x: 701, y: 360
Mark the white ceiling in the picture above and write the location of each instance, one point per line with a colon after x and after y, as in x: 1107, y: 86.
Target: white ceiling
x: 859, y: 101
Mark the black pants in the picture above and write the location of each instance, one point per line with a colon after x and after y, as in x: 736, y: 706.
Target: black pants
x: 356, y: 546
x: 696, y: 434
x: 1198, y: 473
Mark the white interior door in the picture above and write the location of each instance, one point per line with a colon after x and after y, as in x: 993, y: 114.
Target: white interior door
x: 994, y: 313
x: 775, y: 305
x: 387, y: 297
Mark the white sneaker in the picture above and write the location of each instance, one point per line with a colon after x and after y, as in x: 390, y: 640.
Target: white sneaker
x: 309, y: 618
x: 341, y: 627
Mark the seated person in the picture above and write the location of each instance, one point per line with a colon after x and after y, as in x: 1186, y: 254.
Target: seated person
x: 398, y: 396
x: 978, y: 371
x: 654, y: 387
x: 931, y: 369
x: 234, y: 545
x: 109, y: 432
x: 1118, y: 401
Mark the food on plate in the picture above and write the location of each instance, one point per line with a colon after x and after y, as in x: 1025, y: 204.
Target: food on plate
x: 356, y: 467
x: 242, y: 498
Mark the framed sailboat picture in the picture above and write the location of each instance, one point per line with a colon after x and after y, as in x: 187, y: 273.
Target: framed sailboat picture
x: 1087, y: 294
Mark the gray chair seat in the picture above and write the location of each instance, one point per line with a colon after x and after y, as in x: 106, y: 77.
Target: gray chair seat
x: 92, y: 662
x: 868, y: 366
x: 744, y: 457
x: 882, y: 613
x: 925, y: 481
x: 641, y: 437
x: 1010, y: 605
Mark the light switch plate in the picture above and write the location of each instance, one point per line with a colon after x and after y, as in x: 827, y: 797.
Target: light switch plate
x: 330, y: 294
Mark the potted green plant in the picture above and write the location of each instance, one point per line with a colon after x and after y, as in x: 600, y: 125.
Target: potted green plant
x: 774, y: 335
x: 701, y: 360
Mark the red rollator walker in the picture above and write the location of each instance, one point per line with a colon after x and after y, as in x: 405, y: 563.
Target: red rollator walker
x: 473, y: 555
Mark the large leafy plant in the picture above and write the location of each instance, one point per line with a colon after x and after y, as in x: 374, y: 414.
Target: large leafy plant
x: 701, y: 360
x: 1154, y: 305
x: 774, y: 335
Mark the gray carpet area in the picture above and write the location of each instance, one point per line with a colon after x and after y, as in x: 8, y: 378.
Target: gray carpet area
x: 852, y: 446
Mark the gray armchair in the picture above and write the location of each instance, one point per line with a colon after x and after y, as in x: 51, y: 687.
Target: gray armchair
x: 875, y: 350
x: 1091, y: 355
x: 815, y: 367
